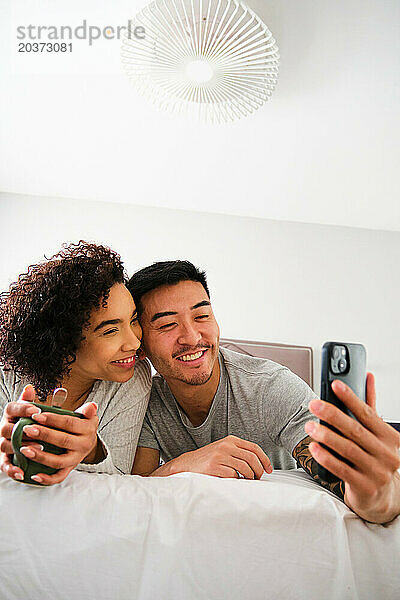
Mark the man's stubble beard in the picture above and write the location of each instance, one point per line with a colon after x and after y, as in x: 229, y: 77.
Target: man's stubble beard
x: 196, y: 379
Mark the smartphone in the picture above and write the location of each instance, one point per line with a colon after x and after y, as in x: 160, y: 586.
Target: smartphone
x: 346, y: 362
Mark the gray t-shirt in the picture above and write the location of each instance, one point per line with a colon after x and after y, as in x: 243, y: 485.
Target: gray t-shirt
x: 121, y: 409
x: 257, y: 400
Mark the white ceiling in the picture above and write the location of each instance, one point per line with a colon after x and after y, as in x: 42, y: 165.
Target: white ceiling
x: 325, y: 149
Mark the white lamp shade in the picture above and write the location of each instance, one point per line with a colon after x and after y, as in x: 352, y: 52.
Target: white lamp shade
x: 212, y: 59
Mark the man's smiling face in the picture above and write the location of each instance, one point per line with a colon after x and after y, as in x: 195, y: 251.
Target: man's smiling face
x: 180, y: 333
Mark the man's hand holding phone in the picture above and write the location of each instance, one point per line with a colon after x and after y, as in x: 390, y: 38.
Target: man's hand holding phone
x: 372, y: 481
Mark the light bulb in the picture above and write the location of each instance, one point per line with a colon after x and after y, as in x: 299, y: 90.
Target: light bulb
x: 199, y: 71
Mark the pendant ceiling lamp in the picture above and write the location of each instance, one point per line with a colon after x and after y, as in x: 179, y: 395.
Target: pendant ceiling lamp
x: 212, y: 59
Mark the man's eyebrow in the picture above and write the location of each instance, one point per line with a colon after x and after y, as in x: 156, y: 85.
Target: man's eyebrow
x: 112, y: 322
x: 169, y: 313
x: 158, y: 315
x: 199, y: 304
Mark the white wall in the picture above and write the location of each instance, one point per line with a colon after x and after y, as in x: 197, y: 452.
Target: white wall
x: 270, y: 280
x: 325, y: 149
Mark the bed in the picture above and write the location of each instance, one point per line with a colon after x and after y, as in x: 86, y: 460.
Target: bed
x: 298, y: 359
x: 192, y: 537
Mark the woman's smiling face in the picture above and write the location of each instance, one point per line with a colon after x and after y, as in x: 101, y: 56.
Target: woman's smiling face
x: 111, y: 340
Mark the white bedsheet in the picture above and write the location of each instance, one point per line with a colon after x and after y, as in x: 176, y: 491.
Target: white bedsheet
x: 110, y: 537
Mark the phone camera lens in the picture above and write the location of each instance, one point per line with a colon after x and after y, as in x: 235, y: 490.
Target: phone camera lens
x: 335, y: 352
x: 342, y: 364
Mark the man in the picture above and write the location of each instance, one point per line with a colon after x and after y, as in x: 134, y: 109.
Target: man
x: 220, y: 413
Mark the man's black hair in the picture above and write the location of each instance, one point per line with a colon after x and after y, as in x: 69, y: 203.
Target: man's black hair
x: 163, y: 273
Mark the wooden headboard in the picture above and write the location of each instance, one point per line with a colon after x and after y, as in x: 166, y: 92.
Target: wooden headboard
x: 298, y: 359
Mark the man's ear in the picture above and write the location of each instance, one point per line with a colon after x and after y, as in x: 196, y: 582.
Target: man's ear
x: 141, y: 353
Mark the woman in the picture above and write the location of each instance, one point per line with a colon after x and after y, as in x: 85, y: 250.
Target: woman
x: 71, y: 323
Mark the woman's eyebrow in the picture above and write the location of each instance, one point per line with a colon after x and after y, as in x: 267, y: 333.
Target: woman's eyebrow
x: 111, y: 322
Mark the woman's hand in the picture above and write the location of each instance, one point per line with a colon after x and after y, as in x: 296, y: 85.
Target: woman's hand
x: 12, y: 412
x: 77, y: 436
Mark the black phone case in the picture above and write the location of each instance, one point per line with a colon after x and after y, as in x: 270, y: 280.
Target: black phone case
x: 354, y: 377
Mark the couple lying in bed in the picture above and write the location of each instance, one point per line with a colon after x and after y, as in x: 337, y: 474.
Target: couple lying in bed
x: 75, y: 328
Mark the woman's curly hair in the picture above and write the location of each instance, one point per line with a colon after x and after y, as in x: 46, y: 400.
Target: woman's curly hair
x: 43, y: 314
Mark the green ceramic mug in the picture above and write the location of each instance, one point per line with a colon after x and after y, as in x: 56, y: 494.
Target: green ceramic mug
x: 29, y: 466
